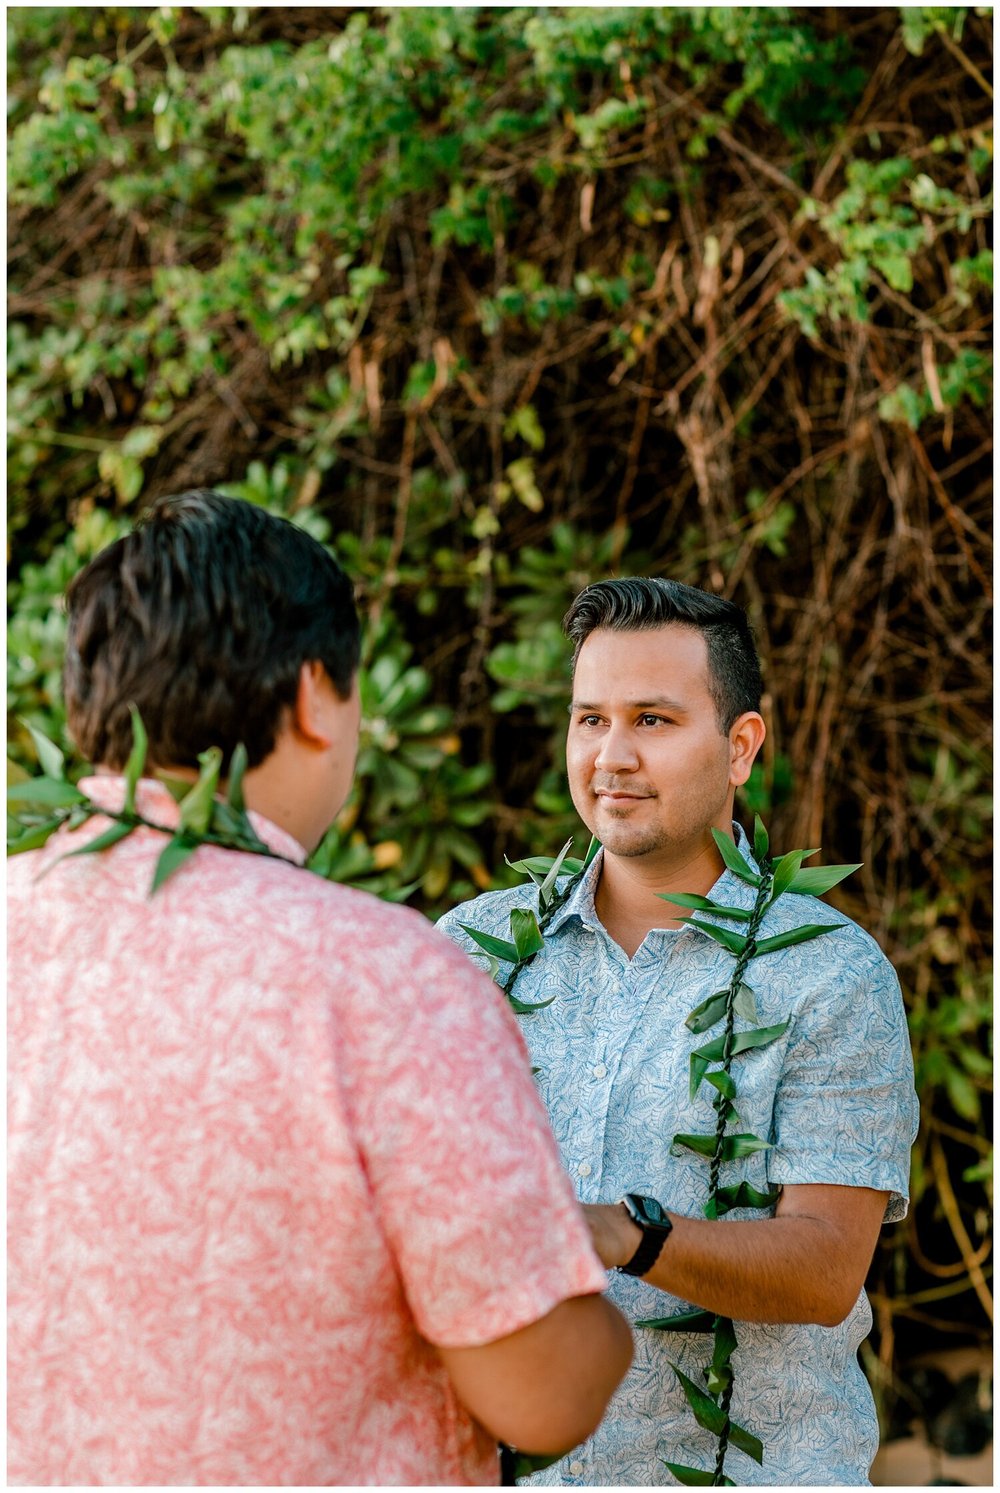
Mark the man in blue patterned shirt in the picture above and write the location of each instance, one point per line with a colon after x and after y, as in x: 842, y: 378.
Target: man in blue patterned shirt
x: 664, y: 726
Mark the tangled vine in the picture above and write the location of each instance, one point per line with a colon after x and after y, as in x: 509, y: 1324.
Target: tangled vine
x: 770, y: 880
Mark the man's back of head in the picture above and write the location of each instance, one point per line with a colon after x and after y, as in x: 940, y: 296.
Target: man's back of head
x: 202, y: 618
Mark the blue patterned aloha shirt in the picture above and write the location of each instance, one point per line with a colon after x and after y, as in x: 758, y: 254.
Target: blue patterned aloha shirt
x: 834, y: 1095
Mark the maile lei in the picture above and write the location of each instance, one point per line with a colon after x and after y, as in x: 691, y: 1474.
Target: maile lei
x: 711, y: 1075
x: 42, y: 805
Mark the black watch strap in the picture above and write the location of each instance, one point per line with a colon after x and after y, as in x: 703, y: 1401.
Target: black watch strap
x: 654, y: 1236
x: 646, y: 1255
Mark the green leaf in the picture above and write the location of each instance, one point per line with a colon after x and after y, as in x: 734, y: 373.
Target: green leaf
x: 734, y: 1147
x: 963, y: 1095
x: 734, y: 942
x: 761, y: 842
x: 742, y: 1195
x: 744, y: 1005
x: 525, y: 1008
x: 525, y: 933
x: 734, y: 859
x: 547, y: 890
x: 50, y: 758
x: 102, y: 841
x: 692, y: 1321
x: 498, y: 947
x: 196, y: 806
x: 696, y: 1477
x: 714, y: 1051
x: 706, y: 1412
x: 592, y: 850
x: 172, y: 857
x: 794, y: 936
x: 708, y: 1013
x: 785, y: 871
x: 236, y: 830
x: 815, y: 880
x: 699, y: 1067
x: 714, y: 1009
x: 493, y: 967
x: 703, y: 1145
x: 538, y: 866
x: 234, y: 788
x: 51, y: 793
x: 689, y: 899
x: 178, y: 788
x: 136, y: 759
x: 758, y: 1036
x: 722, y: 1081
x: 547, y: 887
x: 747, y: 1442
x: 34, y: 838
x: 719, y: 1373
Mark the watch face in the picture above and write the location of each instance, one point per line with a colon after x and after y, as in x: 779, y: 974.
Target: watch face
x: 648, y: 1211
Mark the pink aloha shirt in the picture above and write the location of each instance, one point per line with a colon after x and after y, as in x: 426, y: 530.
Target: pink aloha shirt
x: 270, y: 1140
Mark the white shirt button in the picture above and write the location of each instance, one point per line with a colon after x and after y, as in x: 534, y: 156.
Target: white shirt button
x: 584, y: 1169
x: 599, y: 1071
x: 576, y: 1468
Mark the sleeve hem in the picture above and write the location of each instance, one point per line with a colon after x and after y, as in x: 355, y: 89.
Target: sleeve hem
x: 504, y: 1316
x: 895, y: 1208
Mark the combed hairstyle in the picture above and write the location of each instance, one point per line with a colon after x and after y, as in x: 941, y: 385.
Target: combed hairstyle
x: 643, y: 602
x: 202, y: 617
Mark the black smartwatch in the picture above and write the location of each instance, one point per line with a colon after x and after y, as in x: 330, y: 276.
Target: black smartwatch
x: 655, y: 1226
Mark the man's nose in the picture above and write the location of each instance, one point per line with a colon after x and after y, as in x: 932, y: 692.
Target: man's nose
x: 617, y: 752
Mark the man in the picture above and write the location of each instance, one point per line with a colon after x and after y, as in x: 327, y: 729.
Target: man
x: 283, y: 1204
x: 664, y: 726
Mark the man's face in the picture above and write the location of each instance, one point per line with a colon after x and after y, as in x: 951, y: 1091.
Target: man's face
x: 649, y: 768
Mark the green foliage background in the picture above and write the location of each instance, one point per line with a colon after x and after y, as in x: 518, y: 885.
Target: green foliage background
x: 499, y: 301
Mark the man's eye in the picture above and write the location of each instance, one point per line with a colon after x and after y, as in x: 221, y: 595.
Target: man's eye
x: 590, y: 720
x: 653, y: 720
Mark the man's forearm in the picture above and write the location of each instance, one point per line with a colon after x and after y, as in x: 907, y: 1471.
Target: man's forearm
x: 795, y: 1267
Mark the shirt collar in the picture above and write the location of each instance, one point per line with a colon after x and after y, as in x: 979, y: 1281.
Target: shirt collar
x: 728, y: 891
x: 157, y: 804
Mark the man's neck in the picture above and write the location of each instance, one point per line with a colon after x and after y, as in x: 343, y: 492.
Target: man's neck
x: 629, y: 894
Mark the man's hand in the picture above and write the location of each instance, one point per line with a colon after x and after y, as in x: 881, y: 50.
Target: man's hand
x: 615, y: 1235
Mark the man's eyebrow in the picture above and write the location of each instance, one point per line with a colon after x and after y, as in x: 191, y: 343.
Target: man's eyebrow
x: 655, y: 702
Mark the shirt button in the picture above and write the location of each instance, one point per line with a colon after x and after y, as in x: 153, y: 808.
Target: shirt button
x: 599, y: 1071
x: 584, y: 1169
x: 576, y: 1468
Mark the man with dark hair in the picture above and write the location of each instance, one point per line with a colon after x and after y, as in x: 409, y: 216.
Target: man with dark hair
x: 266, y: 1224
x: 664, y: 727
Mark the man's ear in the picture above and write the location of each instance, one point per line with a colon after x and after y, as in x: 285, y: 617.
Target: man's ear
x: 745, y: 740
x: 313, y: 716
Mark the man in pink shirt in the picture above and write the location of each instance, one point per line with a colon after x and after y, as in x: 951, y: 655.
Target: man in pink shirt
x: 283, y: 1204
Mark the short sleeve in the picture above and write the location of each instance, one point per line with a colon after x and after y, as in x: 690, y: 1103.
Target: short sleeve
x: 465, y: 1174
x: 845, y: 1110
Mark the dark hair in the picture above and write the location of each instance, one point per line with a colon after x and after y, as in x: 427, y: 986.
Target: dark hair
x: 202, y: 617
x: 647, y: 602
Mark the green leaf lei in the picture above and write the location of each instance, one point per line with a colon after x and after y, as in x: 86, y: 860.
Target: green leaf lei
x: 719, y: 1146
x: 42, y: 805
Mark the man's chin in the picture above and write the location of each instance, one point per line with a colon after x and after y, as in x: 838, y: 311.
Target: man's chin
x: 629, y: 845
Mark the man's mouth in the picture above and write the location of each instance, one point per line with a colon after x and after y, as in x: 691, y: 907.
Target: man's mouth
x: 618, y: 796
